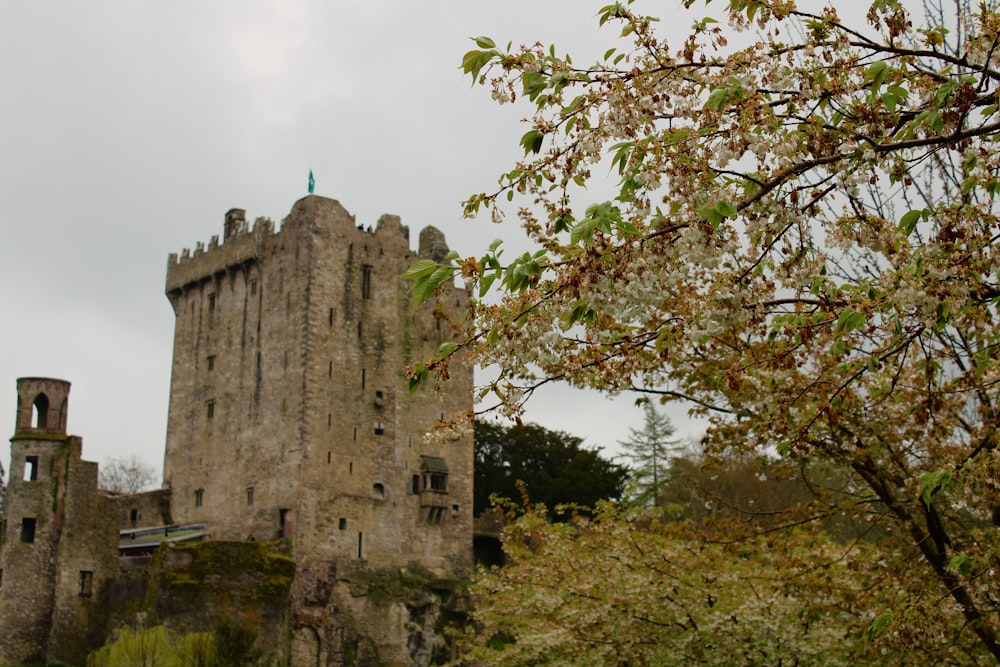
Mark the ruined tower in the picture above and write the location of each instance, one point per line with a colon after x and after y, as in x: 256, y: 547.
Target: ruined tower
x: 289, y: 416
x: 58, y: 539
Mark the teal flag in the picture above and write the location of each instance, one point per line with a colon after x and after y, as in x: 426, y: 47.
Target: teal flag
x: 312, y: 182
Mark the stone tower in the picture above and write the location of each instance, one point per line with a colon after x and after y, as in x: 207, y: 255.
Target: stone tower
x: 58, y: 539
x: 289, y: 416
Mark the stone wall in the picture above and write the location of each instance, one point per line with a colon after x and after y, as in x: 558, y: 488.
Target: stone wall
x: 60, y: 543
x: 288, y: 413
x: 141, y: 510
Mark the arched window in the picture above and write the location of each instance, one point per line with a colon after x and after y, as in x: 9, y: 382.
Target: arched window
x: 40, y: 416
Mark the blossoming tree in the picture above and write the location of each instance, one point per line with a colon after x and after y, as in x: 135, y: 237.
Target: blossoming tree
x: 802, y: 246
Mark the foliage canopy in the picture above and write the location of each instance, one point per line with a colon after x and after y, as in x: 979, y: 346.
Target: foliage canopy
x: 553, y: 467
x: 802, y: 246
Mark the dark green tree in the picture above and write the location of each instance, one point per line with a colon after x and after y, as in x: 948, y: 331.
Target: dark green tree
x: 554, y: 467
x: 650, y: 449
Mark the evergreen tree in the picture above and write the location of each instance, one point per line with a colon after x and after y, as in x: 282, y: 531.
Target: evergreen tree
x: 650, y: 449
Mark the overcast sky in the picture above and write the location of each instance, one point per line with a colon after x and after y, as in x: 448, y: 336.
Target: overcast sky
x: 128, y: 129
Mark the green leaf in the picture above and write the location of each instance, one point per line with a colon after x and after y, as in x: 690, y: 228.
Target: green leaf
x: 445, y: 349
x: 420, y: 269
x: 725, y: 209
x: 909, y: 220
x: 943, y: 92
x: 486, y: 283
x: 533, y: 84
x: 876, y: 74
x: 474, y: 61
x: 960, y: 564
x: 849, y: 320
x: 532, y: 141
x: 875, y: 630
x: 943, y: 315
x: 425, y: 286
x: 717, y: 99
x: 484, y: 42
x: 933, y: 482
x: 418, y: 373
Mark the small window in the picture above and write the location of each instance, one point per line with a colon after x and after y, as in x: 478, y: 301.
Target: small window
x: 86, y: 583
x: 211, y: 362
x: 362, y: 378
x: 434, y: 474
x: 249, y: 496
x: 415, y: 484
x: 331, y: 317
x: 210, y: 410
x: 133, y: 515
x: 342, y: 523
x: 379, y: 428
x: 435, y: 481
x: 366, y: 282
x: 199, y: 497
x: 285, y: 521
x: 211, y: 303
x: 40, y: 412
x: 378, y: 490
x: 28, y: 529
x: 253, y: 288
x: 30, y: 468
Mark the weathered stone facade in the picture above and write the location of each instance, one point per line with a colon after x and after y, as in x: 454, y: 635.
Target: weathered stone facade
x: 288, y: 420
x: 139, y: 510
x: 289, y: 416
x: 59, y: 537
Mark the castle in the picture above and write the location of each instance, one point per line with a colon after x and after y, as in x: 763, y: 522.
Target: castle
x: 288, y: 420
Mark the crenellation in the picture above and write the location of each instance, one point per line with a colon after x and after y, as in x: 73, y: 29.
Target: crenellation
x: 262, y: 226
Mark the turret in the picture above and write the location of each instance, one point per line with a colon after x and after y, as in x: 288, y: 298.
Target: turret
x: 41, y: 406
x: 59, y: 544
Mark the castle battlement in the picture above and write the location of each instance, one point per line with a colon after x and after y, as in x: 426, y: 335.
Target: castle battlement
x: 242, y: 244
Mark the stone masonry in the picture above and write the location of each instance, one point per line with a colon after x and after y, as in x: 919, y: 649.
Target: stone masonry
x: 59, y: 537
x: 289, y: 416
x: 289, y: 420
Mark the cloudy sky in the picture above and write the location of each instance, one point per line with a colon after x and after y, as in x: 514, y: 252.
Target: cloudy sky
x: 127, y: 129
